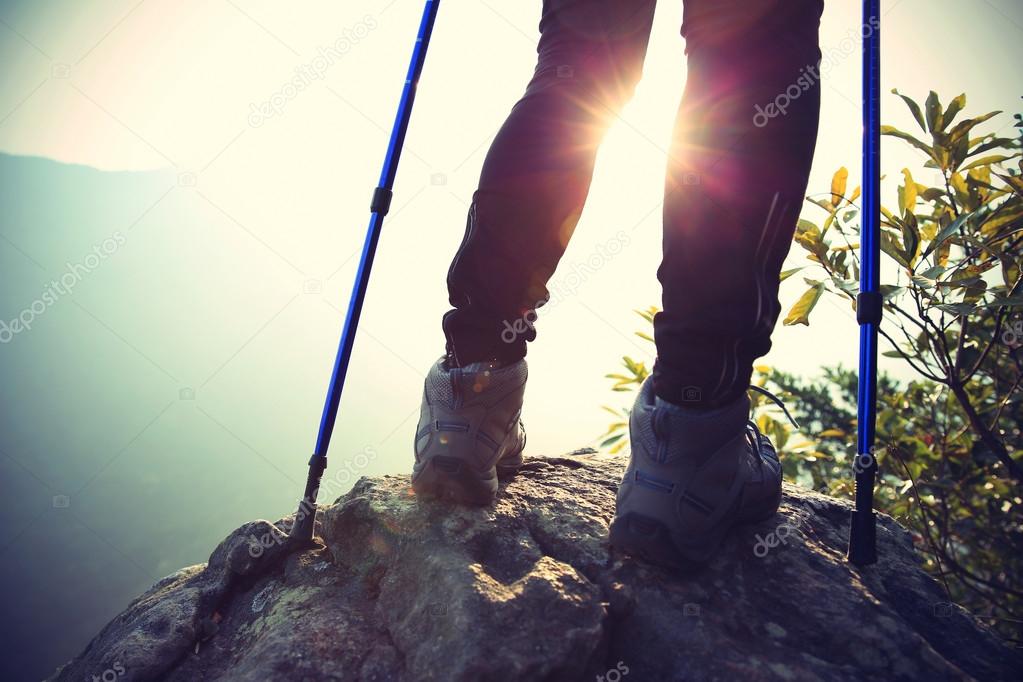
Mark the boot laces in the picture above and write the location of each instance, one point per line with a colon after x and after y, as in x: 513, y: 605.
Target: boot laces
x: 776, y: 400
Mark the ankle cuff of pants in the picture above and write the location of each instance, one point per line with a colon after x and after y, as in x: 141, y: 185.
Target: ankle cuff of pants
x: 470, y: 339
x: 467, y: 353
x: 693, y: 390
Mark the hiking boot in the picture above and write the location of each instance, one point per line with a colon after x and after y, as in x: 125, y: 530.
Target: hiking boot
x: 470, y: 432
x: 692, y: 476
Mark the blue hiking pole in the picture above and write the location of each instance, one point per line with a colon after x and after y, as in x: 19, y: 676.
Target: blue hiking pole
x: 862, y: 532
x: 302, y: 530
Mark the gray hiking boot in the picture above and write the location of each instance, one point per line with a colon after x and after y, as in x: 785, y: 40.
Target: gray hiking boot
x: 470, y: 432
x: 692, y: 477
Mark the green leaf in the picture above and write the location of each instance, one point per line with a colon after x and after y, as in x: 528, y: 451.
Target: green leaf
x: 947, y: 232
x: 1007, y: 302
x: 895, y: 132
x: 975, y: 291
x: 890, y: 291
x: 848, y: 286
x: 1014, y: 181
x: 893, y: 249
x: 800, y: 312
x: 612, y: 440
x: 957, y: 309
x: 914, y: 108
x: 933, y: 108
x: 1010, y: 270
x: 910, y: 238
x: 922, y: 282
x: 958, y: 153
x: 993, y: 143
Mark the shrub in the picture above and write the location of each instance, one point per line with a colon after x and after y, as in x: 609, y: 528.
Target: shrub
x: 948, y: 443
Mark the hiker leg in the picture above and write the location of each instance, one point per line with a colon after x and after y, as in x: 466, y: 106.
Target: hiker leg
x: 537, y: 173
x: 740, y: 159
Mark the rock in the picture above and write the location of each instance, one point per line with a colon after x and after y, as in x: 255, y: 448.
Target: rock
x: 406, y: 589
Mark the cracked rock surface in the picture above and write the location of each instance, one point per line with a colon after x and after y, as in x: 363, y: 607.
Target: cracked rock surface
x: 527, y: 590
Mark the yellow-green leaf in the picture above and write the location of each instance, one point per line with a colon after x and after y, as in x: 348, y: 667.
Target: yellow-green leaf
x: 991, y: 227
x: 928, y: 230
x: 907, y: 193
x: 987, y: 160
x: 800, y: 312
x: 959, y: 184
x: 954, y: 107
x: 964, y: 127
x: 788, y: 273
x: 838, y: 182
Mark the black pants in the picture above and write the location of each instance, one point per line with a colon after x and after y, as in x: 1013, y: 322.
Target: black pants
x: 737, y: 171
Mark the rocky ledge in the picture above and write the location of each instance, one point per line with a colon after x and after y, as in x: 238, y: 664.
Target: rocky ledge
x: 406, y: 589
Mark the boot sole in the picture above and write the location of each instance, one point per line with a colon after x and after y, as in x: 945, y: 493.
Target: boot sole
x: 649, y: 539
x: 450, y: 479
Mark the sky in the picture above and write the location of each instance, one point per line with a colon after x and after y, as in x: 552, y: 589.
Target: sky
x: 198, y: 90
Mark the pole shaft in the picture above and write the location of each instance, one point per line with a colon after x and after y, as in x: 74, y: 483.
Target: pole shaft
x: 302, y: 530
x: 862, y: 542
x: 387, y: 175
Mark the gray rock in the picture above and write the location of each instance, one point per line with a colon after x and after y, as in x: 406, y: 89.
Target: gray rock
x: 527, y: 590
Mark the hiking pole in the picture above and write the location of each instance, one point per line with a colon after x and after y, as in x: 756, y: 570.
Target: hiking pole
x: 862, y: 531
x: 302, y: 529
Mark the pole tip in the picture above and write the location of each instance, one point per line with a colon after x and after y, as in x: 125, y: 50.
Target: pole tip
x: 862, y: 539
x: 301, y: 535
